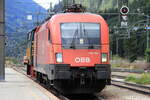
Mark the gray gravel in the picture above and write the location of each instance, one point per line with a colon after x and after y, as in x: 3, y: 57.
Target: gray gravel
x: 116, y: 93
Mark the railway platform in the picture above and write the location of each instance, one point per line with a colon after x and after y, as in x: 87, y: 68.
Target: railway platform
x: 19, y: 87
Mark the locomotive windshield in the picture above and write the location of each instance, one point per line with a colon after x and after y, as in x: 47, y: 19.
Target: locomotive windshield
x: 80, y: 35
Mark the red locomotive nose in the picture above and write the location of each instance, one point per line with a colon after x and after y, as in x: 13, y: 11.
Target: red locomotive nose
x: 81, y: 58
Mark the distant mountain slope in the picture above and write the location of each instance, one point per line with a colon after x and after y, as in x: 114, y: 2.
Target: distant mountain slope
x: 16, y: 12
x: 17, y: 25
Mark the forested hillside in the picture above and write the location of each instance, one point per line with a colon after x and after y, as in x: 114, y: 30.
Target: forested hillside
x: 17, y: 25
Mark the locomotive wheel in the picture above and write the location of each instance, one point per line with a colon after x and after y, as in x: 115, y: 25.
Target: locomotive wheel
x: 28, y: 69
x: 39, y: 77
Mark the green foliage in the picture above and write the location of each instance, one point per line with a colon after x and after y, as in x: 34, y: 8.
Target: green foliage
x: 18, y: 47
x: 131, y: 78
x: 131, y: 48
x: 116, y: 57
x: 11, y: 59
x: 143, y: 79
x: 147, y: 53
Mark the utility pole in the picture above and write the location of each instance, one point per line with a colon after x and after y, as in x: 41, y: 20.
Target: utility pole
x: 50, y: 7
x: 37, y: 19
x: 2, y: 41
x: 73, y: 1
x: 122, y: 6
x: 147, y: 32
x: 117, y: 46
x: 118, y: 7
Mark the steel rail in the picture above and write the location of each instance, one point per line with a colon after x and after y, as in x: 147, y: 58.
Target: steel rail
x: 131, y: 86
x: 129, y: 70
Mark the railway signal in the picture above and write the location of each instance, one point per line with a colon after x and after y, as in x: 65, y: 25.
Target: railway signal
x: 124, y: 10
x: 124, y: 18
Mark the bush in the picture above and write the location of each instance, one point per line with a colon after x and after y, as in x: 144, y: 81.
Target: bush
x: 147, y: 53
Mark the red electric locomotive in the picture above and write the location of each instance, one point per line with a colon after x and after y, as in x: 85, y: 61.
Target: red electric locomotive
x: 70, y: 52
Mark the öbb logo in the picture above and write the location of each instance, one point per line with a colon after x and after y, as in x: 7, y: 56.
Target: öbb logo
x: 82, y: 60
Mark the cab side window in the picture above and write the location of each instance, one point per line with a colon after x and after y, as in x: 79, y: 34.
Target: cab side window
x: 29, y: 36
x: 49, y: 35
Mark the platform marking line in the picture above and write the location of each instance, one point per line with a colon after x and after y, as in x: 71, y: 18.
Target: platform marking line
x: 34, y: 95
x: 50, y: 95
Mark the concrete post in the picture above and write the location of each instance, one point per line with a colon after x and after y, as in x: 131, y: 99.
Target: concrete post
x: 2, y: 42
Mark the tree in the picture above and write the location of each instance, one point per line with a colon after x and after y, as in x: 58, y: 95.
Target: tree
x: 147, y: 53
x: 131, y: 48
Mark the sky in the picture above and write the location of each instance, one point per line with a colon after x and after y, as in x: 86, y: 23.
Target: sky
x: 46, y: 3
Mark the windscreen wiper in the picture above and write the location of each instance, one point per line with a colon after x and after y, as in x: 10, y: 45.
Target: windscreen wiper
x: 90, y: 46
x: 73, y: 40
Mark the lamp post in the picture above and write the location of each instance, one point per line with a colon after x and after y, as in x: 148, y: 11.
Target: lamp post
x: 2, y: 42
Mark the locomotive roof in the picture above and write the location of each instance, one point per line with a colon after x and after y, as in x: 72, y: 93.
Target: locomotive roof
x: 65, y: 16
x: 59, y: 15
x: 73, y: 13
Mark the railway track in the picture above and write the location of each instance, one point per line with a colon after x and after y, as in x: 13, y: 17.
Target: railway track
x: 73, y: 97
x: 59, y: 95
x: 85, y: 97
x: 138, y: 71
x: 131, y: 86
x: 118, y: 76
x: 118, y: 80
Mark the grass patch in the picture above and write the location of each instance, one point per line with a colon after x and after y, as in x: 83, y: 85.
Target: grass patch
x: 142, y: 79
x: 12, y: 60
x: 119, y: 62
x: 116, y: 57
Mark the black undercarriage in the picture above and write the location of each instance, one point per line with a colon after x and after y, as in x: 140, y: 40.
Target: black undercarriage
x: 74, y: 86
x: 78, y: 80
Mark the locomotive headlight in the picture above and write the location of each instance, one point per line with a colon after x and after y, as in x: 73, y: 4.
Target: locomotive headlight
x: 59, y: 58
x: 104, y: 57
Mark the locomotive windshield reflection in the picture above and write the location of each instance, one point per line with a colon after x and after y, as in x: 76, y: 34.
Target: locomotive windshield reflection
x: 80, y: 35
